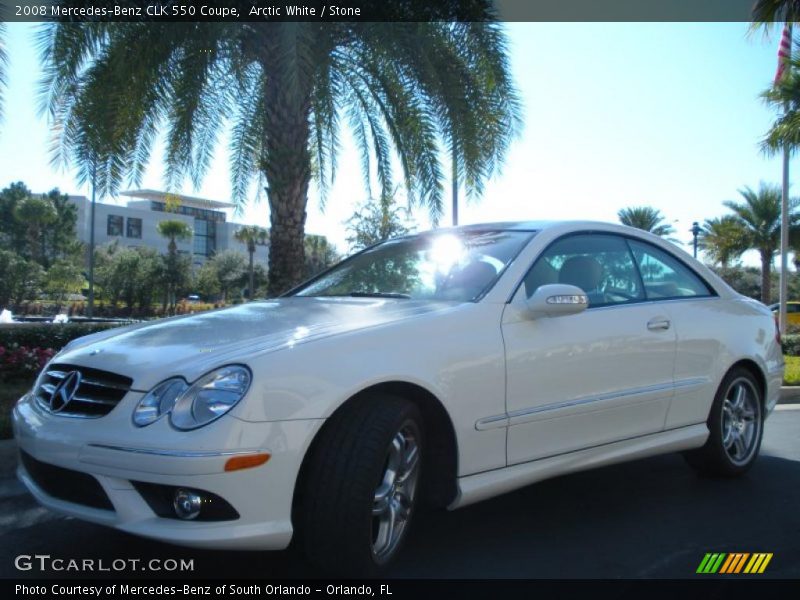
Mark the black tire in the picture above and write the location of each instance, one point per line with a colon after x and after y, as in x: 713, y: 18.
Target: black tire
x: 352, y: 456
x: 722, y: 455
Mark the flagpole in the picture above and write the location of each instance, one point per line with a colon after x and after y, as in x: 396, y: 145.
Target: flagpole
x: 784, y: 240
x: 785, y: 219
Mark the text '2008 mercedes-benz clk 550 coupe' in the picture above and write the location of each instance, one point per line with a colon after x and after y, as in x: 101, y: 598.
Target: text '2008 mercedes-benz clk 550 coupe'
x: 441, y: 368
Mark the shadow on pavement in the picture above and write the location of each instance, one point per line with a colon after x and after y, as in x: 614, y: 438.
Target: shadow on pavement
x: 653, y: 518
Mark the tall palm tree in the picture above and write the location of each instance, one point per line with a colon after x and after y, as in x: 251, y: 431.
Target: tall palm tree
x: 724, y: 239
x: 646, y: 218
x: 252, y: 236
x: 760, y: 216
x: 404, y: 89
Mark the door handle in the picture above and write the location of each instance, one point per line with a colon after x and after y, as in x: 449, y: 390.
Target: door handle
x: 658, y: 324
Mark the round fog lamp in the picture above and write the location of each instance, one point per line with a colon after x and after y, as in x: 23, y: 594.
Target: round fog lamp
x: 187, y: 504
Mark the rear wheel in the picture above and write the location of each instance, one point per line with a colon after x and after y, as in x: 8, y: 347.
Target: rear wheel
x: 736, y: 426
x: 360, y: 490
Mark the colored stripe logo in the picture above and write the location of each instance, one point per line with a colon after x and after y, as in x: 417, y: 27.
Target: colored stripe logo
x: 734, y: 563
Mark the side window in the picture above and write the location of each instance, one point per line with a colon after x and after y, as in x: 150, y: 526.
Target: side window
x: 665, y: 276
x: 601, y: 265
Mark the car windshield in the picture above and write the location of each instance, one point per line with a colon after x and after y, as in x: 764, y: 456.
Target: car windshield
x: 459, y: 266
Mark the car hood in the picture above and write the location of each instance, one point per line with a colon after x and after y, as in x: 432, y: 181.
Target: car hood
x: 191, y: 345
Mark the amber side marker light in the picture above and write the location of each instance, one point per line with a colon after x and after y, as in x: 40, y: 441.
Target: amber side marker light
x: 246, y: 462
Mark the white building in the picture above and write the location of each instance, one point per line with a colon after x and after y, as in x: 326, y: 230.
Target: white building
x: 136, y: 223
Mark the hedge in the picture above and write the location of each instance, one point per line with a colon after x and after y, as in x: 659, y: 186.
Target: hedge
x: 791, y: 344
x: 47, y: 335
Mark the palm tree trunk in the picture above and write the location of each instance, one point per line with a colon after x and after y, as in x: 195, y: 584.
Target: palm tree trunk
x: 766, y: 268
x: 287, y: 166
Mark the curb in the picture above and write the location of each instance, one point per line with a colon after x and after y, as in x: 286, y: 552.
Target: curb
x: 790, y: 394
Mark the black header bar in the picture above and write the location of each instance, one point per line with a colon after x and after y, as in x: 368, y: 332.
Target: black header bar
x: 257, y: 11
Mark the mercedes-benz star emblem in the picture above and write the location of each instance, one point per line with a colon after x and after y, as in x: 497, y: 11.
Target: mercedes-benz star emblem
x: 65, y: 391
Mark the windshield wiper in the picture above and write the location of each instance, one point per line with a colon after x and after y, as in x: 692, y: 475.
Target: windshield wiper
x: 379, y: 295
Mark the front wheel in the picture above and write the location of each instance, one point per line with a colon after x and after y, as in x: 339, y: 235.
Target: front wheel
x: 361, y: 487
x: 736, y: 426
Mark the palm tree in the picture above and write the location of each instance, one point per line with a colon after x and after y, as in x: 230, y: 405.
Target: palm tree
x: 724, y: 239
x: 760, y: 217
x: 646, y: 218
x: 320, y: 254
x: 770, y: 11
x: 406, y: 90
x: 785, y: 97
x: 3, y: 65
x: 252, y: 236
x: 173, y: 230
x: 784, y: 94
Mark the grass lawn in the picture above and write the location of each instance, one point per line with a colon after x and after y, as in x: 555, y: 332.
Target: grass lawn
x: 792, y: 374
x: 10, y: 392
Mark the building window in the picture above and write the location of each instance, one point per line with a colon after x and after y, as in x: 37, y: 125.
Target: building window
x: 200, y: 245
x: 190, y: 211
x: 114, y: 226
x: 134, y: 228
x: 205, y: 233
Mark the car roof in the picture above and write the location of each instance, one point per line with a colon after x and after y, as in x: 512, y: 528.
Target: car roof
x: 510, y: 226
x: 529, y: 226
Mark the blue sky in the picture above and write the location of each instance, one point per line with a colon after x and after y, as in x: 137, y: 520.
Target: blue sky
x: 662, y: 114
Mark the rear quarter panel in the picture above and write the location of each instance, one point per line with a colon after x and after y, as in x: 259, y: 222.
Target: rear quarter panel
x: 713, y: 335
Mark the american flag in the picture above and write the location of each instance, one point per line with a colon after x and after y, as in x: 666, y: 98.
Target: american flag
x: 784, y: 52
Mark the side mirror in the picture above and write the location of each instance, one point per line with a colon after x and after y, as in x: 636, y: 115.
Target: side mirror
x: 556, y: 300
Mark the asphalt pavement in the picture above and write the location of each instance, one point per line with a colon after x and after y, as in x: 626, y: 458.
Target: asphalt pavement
x: 654, y: 518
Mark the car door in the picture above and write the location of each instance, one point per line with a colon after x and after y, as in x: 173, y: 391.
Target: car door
x: 591, y: 378
x: 697, y: 316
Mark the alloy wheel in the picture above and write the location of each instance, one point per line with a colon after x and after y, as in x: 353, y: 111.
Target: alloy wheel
x: 741, y: 421
x: 393, y: 500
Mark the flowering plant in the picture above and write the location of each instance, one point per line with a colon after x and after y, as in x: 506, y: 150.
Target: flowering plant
x: 22, y: 361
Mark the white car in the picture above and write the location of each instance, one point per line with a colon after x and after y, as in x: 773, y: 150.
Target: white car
x: 441, y: 368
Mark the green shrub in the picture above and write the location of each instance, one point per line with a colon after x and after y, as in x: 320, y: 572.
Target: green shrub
x: 47, y: 335
x: 791, y: 344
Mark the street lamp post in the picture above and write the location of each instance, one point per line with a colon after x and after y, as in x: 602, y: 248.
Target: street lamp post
x: 695, y: 233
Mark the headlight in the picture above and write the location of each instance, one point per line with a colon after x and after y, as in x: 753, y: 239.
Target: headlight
x: 210, y: 397
x: 158, y: 401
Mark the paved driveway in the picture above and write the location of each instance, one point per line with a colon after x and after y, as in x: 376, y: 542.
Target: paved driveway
x: 651, y: 518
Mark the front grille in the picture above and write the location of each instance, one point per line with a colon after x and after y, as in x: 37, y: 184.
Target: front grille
x: 96, y: 395
x: 66, y: 484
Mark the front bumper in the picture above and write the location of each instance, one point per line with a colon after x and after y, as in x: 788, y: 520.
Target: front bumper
x: 116, y: 453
